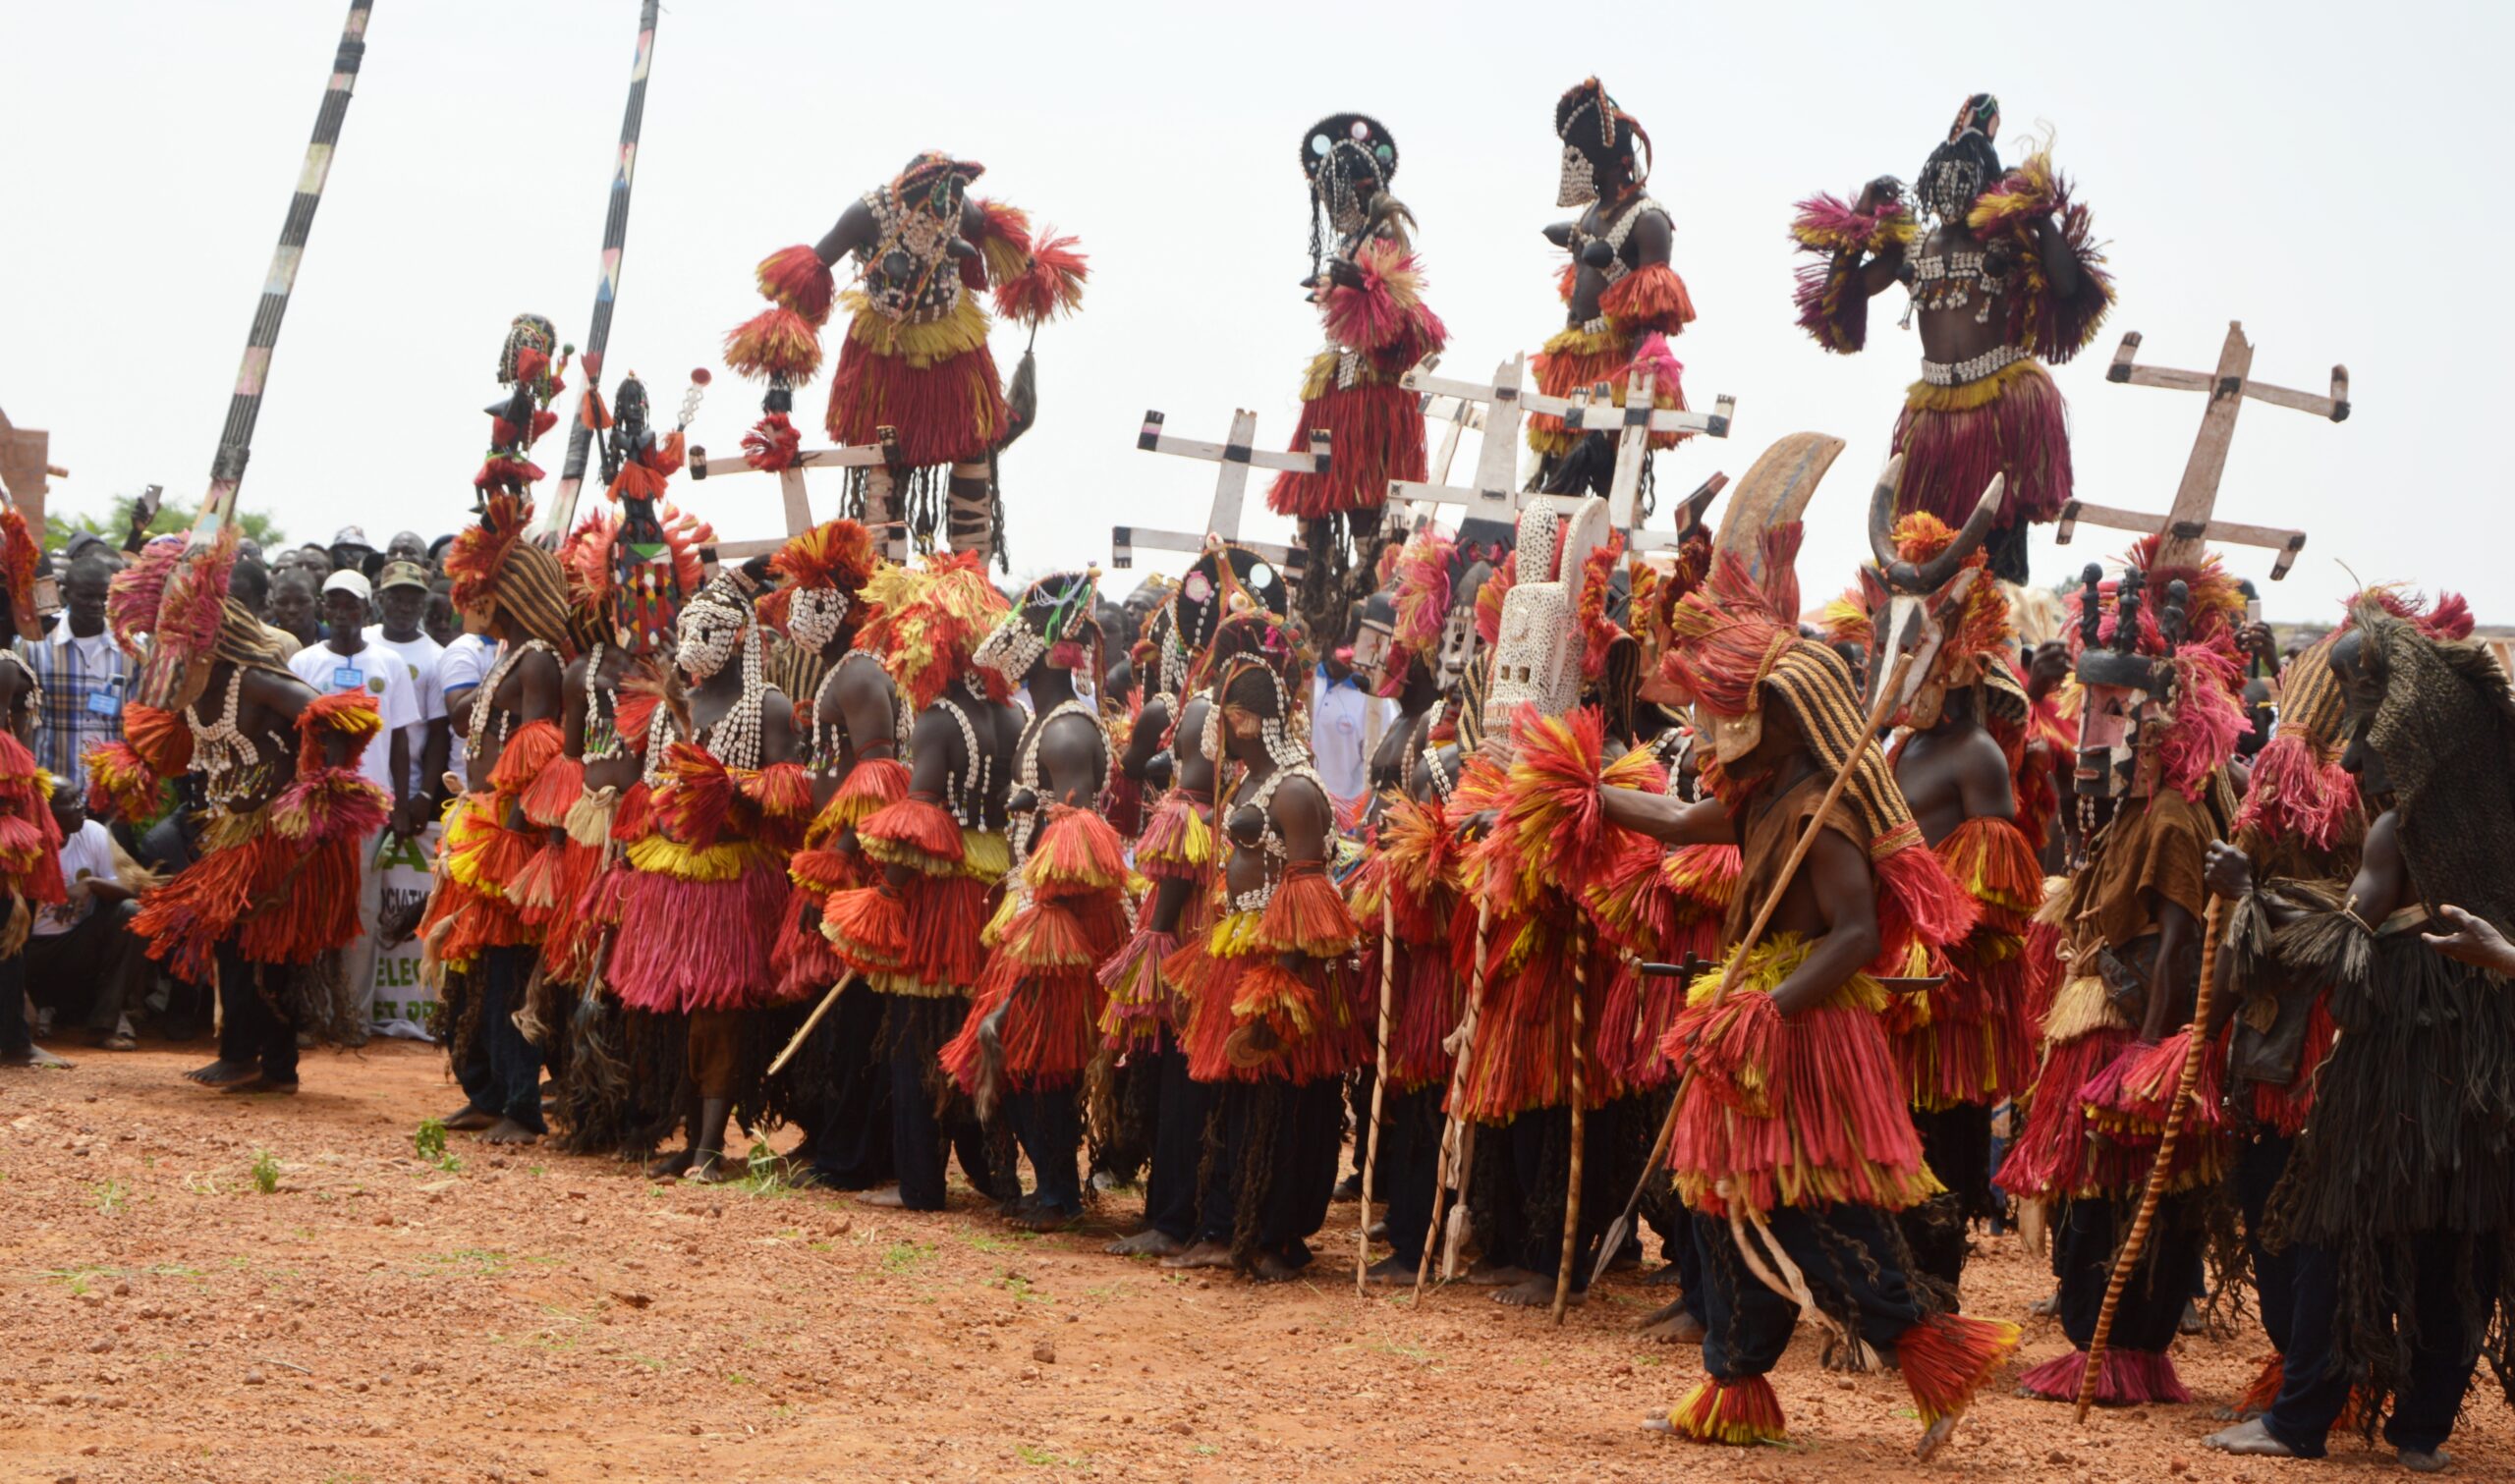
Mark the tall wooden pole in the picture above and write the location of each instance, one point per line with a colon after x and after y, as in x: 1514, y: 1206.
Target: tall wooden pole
x: 606, y: 293
x: 158, y: 677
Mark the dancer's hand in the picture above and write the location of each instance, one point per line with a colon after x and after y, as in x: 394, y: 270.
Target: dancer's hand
x: 2228, y: 872
x: 2473, y: 941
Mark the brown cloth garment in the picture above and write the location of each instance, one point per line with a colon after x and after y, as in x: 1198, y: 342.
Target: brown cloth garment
x: 1765, y: 839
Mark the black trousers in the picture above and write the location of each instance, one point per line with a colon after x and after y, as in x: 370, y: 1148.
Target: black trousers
x: 1358, y: 1099
x: 502, y: 1075
x: 1956, y: 1142
x: 852, y: 1138
x: 1409, y: 1164
x: 1541, y: 1149
x: 2153, y: 1301
x: 259, y: 1023
x: 2442, y: 1355
x: 2259, y: 1168
x: 1847, y: 1254
x: 1049, y: 1124
x: 89, y: 971
x: 1278, y: 1152
x: 15, y: 1040
x: 915, y: 1029
x: 1178, y: 1143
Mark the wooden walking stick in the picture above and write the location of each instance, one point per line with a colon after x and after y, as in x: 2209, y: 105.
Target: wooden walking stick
x: 1457, y: 1143
x: 1580, y: 1090
x: 1379, y: 1081
x: 2195, y: 1046
x: 805, y: 1034
x: 1886, y: 700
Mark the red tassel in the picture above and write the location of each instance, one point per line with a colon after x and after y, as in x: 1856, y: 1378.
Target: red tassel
x: 1649, y: 298
x: 782, y: 790
x: 869, y: 925
x: 775, y: 342
x: 1742, y: 1412
x: 1077, y: 854
x: 2130, y: 1377
x: 795, y: 279
x: 1947, y: 1358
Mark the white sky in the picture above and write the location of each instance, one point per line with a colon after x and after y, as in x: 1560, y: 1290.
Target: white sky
x: 2329, y: 182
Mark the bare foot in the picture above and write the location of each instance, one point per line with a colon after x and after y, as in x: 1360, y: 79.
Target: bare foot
x: 2423, y: 1463
x: 1392, y: 1271
x: 1936, y: 1437
x: 1500, y: 1275
x: 671, y: 1166
x: 1657, y: 1422
x: 1662, y: 1277
x: 1152, y: 1241
x: 1535, y: 1292
x: 220, y: 1074
x: 1673, y: 1325
x: 2047, y: 1306
x: 469, y: 1120
x: 1203, y: 1254
x: 40, y: 1059
x: 113, y: 1040
x: 708, y: 1167
x: 1273, y: 1267
x: 886, y: 1198
x: 1044, y: 1218
x: 507, y: 1130
x: 261, y: 1083
x: 2251, y: 1439
x: 2191, y: 1323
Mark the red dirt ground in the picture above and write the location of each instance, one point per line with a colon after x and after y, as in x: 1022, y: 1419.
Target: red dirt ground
x: 529, y: 1316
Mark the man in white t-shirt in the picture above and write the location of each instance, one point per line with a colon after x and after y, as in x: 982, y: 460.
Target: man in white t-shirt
x: 402, y: 602
x: 82, y: 958
x: 459, y: 671
x: 346, y: 661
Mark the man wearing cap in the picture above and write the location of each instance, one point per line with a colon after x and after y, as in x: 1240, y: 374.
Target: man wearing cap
x: 352, y: 551
x: 402, y: 602
x: 346, y: 661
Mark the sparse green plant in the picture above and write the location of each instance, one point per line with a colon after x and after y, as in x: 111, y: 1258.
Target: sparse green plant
x: 112, y: 1196
x: 265, y: 1171
x: 429, y: 1141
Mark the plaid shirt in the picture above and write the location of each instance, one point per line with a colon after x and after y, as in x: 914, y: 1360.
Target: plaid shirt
x: 82, y: 705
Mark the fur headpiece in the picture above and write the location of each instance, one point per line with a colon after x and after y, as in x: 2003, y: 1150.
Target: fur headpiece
x: 932, y: 622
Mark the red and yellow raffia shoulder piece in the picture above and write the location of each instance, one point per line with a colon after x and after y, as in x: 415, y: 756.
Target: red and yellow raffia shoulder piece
x: 1306, y: 915
x: 1386, y: 309
x: 1651, y: 298
x: 30, y: 837
x: 1077, y: 854
x: 1832, y: 309
x: 1552, y: 829
x: 345, y: 713
x: 1004, y: 244
x: 533, y: 749
x: 2039, y: 318
x: 163, y: 742
x: 932, y: 621
x: 1989, y: 860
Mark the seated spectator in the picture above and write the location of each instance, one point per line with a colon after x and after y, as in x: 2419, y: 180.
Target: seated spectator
x: 83, y: 963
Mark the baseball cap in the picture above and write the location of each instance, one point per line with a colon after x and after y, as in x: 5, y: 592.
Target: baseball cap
x: 347, y: 581
x: 402, y: 575
x: 351, y: 536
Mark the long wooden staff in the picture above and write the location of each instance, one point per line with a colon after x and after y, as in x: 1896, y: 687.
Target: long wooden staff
x: 1877, y: 714
x: 1379, y: 1081
x: 1457, y: 1141
x: 606, y: 294
x: 160, y: 676
x: 1580, y: 1092
x: 2195, y: 1046
x: 813, y: 1019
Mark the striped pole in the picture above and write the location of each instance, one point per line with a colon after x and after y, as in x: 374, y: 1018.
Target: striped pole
x: 615, y: 237
x: 235, y: 440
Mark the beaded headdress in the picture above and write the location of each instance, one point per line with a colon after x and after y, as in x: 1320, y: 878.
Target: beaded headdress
x: 1348, y: 158
x: 1593, y: 132
x: 1052, y: 619
x: 1222, y: 581
x: 825, y: 568
x: 1966, y: 165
